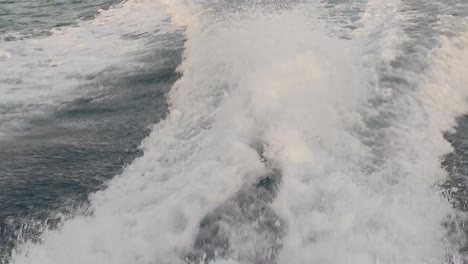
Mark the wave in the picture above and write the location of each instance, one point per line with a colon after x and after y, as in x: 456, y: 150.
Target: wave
x: 40, y: 74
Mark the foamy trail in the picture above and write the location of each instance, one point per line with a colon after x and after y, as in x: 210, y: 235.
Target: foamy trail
x: 39, y: 74
x: 352, y: 191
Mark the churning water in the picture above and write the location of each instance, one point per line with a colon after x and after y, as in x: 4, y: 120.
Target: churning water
x: 287, y: 132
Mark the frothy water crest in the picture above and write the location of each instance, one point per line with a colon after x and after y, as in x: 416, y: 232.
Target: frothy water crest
x: 351, y: 190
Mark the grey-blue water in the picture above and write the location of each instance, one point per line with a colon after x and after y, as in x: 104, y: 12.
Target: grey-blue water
x: 38, y: 17
x: 53, y: 154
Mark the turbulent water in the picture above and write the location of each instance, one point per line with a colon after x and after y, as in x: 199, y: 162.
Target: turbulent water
x: 260, y: 132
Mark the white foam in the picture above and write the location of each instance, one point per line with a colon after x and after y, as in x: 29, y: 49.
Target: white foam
x: 446, y: 85
x: 278, y: 78
x: 380, y: 26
